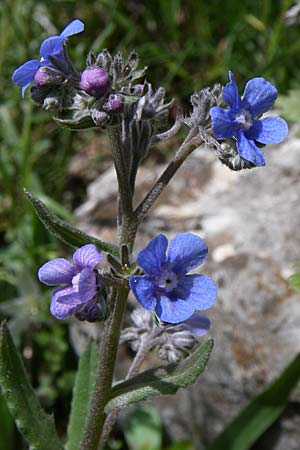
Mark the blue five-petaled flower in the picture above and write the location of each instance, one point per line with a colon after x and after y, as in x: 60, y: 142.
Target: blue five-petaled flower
x: 241, y: 121
x: 166, y: 287
x: 78, y: 279
x: 51, y: 50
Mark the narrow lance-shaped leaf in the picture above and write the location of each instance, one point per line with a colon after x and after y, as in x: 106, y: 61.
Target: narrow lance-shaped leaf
x: 82, y: 392
x: 260, y: 413
x: 65, y: 232
x: 32, y: 421
x: 76, y: 124
x: 163, y: 380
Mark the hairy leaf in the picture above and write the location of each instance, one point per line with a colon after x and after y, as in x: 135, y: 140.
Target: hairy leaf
x: 82, y: 392
x: 65, y: 232
x: 260, y: 413
x: 163, y: 380
x: 76, y: 124
x: 32, y: 421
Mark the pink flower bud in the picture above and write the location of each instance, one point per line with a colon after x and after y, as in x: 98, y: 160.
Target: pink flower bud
x: 94, y: 81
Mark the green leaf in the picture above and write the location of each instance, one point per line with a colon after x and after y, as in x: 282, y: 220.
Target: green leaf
x: 65, y: 232
x: 76, y: 124
x: 143, y: 429
x: 162, y: 380
x: 260, y: 413
x: 7, y: 427
x: 82, y: 392
x: 32, y: 421
x: 295, y: 281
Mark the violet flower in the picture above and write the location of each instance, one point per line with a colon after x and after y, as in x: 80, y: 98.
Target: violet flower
x: 166, y: 287
x: 52, y: 55
x: 241, y: 119
x: 78, y: 279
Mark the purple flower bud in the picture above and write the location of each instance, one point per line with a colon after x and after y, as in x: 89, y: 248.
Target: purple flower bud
x: 114, y: 103
x: 45, y: 76
x: 41, y: 78
x: 94, y: 81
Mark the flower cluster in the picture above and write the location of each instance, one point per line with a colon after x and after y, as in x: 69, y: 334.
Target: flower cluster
x: 55, y: 80
x: 99, y: 92
x: 166, y: 287
x: 80, y: 284
x: 241, y: 119
x: 172, y: 342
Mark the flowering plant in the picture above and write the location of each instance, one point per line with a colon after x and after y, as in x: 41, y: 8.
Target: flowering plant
x: 109, y: 94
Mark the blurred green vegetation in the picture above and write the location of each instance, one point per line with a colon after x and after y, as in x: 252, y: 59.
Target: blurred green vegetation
x: 187, y: 45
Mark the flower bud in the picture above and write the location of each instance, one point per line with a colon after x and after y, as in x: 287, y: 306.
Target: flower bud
x: 114, y: 104
x: 45, y: 76
x: 94, y: 81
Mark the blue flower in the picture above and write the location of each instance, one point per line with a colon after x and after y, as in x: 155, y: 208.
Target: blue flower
x: 240, y: 120
x: 166, y: 287
x: 52, y: 55
x: 78, y: 279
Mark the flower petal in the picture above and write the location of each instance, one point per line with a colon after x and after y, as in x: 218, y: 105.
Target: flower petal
x: 259, y: 96
x: 57, y: 271
x: 200, y: 291
x: 270, y: 130
x: 249, y: 151
x: 87, y: 256
x: 87, y: 285
x: 223, y: 125
x: 64, y: 303
x: 173, y: 311
x: 74, y: 27
x: 197, y: 324
x: 153, y: 256
x: 143, y: 290
x: 51, y: 46
x: 24, y: 74
x: 231, y: 94
x: 186, y: 251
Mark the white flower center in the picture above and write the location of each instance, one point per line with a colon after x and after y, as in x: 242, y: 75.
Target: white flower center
x: 168, y: 281
x: 75, y: 282
x: 244, y: 119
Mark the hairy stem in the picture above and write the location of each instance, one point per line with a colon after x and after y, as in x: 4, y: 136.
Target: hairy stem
x: 104, y: 376
x: 147, y: 344
x: 125, y: 211
x: 183, y: 152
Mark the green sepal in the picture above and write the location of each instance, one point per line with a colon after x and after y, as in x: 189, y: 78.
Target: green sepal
x: 82, y: 392
x: 33, y: 423
x: 65, y: 232
x: 164, y: 380
x: 260, y: 413
x: 76, y: 124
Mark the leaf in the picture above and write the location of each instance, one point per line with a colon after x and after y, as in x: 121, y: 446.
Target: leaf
x: 65, y: 232
x: 76, y: 124
x: 32, y: 421
x: 7, y: 427
x: 162, y: 380
x: 82, y: 392
x: 260, y: 413
x: 143, y: 429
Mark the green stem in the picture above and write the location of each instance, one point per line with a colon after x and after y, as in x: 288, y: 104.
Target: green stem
x: 104, y: 377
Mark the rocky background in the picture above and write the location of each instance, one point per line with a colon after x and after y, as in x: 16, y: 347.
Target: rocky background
x: 251, y: 223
